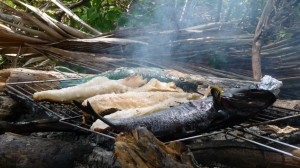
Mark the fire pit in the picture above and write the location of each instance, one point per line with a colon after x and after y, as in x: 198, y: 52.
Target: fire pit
x: 245, y: 132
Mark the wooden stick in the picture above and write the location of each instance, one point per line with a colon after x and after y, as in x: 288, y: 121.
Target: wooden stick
x: 15, y: 60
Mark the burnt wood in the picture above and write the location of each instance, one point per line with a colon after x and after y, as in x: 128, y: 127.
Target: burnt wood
x: 240, y: 154
x: 140, y: 148
x: 29, y: 152
x: 23, y: 151
x: 7, y: 107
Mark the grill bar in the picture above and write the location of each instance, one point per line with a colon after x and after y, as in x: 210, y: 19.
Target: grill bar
x: 272, y: 140
x: 199, y: 136
x: 265, y: 146
x: 65, y: 121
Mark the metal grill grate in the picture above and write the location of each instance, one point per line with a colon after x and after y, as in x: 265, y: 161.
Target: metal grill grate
x: 70, y: 114
x: 67, y: 113
x: 243, y: 131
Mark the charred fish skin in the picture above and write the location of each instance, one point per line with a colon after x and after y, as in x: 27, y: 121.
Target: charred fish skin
x: 195, y: 115
x: 187, y: 84
x: 247, y: 101
x: 198, y: 115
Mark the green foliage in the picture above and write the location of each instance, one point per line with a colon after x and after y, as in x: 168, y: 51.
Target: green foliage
x: 103, y: 19
x: 10, y: 3
x: 280, y: 35
x: 284, y: 34
x: 216, y: 60
x: 102, y: 14
x: 107, y: 15
x: 2, y: 60
x: 142, y: 13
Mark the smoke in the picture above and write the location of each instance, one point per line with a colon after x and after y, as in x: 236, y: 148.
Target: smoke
x: 162, y: 24
x: 159, y: 35
x: 159, y: 23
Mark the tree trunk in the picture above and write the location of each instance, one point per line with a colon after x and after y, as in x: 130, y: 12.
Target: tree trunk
x: 257, y: 41
x: 256, y: 62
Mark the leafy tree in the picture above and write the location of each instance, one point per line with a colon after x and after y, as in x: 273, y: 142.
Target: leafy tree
x: 102, y: 14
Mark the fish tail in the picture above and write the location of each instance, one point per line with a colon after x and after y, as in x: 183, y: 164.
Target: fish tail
x: 90, y: 110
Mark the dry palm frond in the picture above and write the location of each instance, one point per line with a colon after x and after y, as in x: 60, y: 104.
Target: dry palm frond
x: 64, y: 30
x: 46, y: 17
x: 28, y: 31
x: 78, y: 56
x: 35, y: 22
x: 8, y: 36
x: 3, y: 27
x: 72, y: 31
x: 43, y: 63
x: 75, y: 17
x: 12, y: 17
x: 34, y: 60
x: 35, y: 31
x: 14, y: 50
x: 18, y: 28
x: 120, y: 41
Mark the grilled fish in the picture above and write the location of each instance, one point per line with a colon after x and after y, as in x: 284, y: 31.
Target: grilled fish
x: 130, y: 100
x: 99, y: 85
x: 184, y: 82
x: 155, y: 85
x: 136, y: 112
x: 198, y: 115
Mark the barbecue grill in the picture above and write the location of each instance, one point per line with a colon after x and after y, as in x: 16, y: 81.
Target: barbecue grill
x: 70, y: 114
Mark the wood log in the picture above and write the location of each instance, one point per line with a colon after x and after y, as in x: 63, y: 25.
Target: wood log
x: 7, y: 106
x: 23, y: 151
x: 239, y: 154
x: 140, y: 148
x: 45, y: 125
x: 28, y: 152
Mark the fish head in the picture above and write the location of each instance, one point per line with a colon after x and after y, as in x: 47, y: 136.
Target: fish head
x: 216, y: 93
x: 246, y: 102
